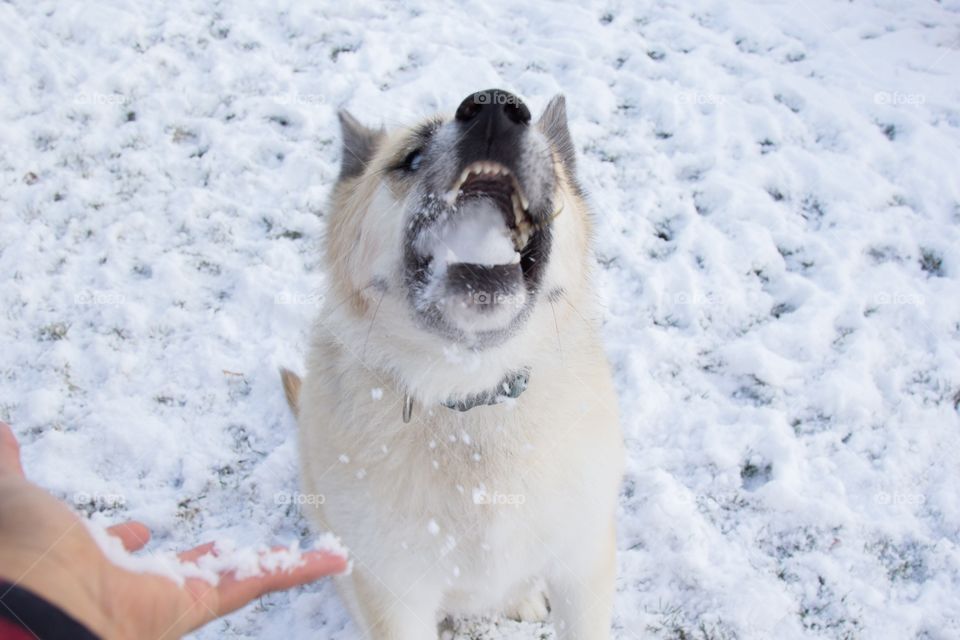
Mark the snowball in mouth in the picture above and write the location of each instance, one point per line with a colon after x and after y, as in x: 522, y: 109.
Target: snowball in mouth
x: 477, y: 234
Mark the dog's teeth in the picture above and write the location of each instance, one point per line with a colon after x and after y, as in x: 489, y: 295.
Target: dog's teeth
x: 524, y: 202
x: 482, y: 167
x: 517, y: 210
x: 522, y: 233
x: 520, y: 240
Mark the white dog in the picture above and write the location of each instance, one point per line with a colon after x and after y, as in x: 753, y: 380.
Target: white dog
x: 458, y: 415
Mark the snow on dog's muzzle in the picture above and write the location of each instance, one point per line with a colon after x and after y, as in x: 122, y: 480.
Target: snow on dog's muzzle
x: 475, y: 253
x: 480, y: 238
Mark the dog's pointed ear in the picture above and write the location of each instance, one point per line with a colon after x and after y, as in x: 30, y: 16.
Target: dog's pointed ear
x: 553, y: 124
x: 359, y: 144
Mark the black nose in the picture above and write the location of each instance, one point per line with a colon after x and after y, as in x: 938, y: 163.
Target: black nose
x: 493, y: 126
x: 494, y: 106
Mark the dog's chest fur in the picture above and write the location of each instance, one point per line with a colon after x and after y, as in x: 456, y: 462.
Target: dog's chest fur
x: 471, y: 500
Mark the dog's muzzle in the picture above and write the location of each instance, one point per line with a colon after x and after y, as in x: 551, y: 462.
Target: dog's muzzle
x: 475, y: 265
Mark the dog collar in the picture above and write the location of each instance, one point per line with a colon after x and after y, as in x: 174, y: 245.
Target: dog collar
x: 512, y: 385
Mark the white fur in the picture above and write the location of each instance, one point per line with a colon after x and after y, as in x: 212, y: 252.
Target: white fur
x: 463, y: 512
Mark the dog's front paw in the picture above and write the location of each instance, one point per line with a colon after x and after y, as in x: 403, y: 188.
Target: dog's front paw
x: 532, y: 608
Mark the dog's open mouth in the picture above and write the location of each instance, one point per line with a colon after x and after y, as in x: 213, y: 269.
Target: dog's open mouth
x: 479, y: 260
x: 495, y: 183
x: 484, y: 244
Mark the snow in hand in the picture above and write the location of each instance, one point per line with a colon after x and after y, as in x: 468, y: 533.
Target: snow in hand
x: 225, y: 557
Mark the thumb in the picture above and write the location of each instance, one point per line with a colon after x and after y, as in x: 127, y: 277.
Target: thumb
x: 9, y: 452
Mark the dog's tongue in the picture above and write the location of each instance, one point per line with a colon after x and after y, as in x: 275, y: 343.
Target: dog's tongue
x: 476, y: 235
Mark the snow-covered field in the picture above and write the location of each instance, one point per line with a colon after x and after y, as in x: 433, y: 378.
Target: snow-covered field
x: 778, y: 202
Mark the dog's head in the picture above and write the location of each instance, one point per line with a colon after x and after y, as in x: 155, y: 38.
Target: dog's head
x: 453, y: 221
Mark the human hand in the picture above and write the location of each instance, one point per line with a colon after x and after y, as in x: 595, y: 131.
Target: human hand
x: 45, y: 548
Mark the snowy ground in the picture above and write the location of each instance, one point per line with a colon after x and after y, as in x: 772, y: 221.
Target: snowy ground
x: 779, y: 233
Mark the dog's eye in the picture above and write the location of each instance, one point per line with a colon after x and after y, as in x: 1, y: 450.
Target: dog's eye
x: 413, y: 160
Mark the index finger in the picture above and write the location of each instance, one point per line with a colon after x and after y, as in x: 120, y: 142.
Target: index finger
x: 231, y: 593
